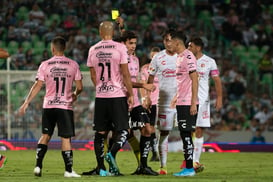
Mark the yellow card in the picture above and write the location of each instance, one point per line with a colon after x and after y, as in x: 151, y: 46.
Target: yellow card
x: 115, y: 14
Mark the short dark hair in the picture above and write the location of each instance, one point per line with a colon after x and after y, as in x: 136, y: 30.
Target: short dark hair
x: 59, y: 43
x: 128, y: 35
x: 197, y: 41
x: 167, y: 32
x: 179, y: 35
x: 155, y: 49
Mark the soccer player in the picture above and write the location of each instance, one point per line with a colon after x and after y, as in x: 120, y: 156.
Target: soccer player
x: 3, y: 159
x: 206, y: 68
x: 58, y: 74
x: 163, y: 65
x: 138, y: 115
x: 186, y: 98
x: 152, y: 110
x: 108, y: 62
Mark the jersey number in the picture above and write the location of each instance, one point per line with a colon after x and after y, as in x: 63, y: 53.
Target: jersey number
x: 108, y: 65
x: 58, y: 80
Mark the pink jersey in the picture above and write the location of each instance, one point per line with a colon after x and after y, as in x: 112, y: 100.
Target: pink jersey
x: 185, y: 63
x: 58, y: 73
x: 106, y: 57
x: 144, y: 76
x: 133, y: 67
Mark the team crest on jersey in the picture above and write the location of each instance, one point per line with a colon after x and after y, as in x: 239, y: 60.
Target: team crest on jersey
x: 163, y: 62
x: 203, y: 65
x: 151, y: 69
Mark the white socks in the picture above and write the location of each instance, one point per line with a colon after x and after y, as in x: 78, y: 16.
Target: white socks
x: 198, y: 146
x: 163, y: 150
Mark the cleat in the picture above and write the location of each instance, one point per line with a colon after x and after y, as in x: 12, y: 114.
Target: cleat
x: 113, y: 168
x: 198, y: 167
x: 148, y: 171
x: 3, y: 161
x: 137, y: 171
x: 185, y: 172
x: 154, y: 158
x: 115, y: 173
x: 105, y: 173
x: 72, y: 174
x: 162, y: 171
x: 94, y: 171
x: 183, y: 165
x: 37, y: 171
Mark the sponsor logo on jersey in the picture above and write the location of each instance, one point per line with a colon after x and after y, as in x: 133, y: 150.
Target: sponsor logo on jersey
x: 169, y: 73
x: 101, y: 54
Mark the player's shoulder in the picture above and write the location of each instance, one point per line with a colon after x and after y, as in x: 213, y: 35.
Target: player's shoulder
x: 208, y: 58
x: 188, y: 54
x: 160, y: 55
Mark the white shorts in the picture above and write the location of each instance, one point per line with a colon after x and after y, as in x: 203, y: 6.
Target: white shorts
x: 203, y: 116
x: 166, y: 118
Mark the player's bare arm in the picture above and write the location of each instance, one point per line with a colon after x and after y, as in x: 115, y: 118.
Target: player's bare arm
x: 128, y: 84
x: 218, y: 88
x: 173, y: 101
x: 146, y: 86
x: 194, y: 78
x: 78, y: 90
x: 93, y: 75
x: 32, y: 93
x: 148, y: 99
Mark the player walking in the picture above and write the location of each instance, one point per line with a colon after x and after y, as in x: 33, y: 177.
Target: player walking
x: 206, y: 68
x: 58, y: 75
x: 163, y: 66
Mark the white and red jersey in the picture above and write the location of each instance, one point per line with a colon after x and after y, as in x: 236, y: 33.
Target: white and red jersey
x: 144, y: 76
x: 185, y: 63
x: 58, y: 74
x: 106, y: 57
x: 206, y: 67
x: 164, y: 66
x: 133, y: 67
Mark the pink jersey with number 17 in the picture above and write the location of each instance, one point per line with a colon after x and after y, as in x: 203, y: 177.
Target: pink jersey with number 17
x: 185, y: 63
x: 106, y: 57
x: 58, y: 73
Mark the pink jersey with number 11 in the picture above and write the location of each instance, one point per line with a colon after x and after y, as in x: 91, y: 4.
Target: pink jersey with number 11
x: 58, y: 73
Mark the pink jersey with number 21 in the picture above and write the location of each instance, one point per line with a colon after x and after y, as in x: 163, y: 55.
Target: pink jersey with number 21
x: 106, y: 57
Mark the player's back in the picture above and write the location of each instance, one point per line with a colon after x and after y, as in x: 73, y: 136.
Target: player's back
x: 106, y: 57
x: 58, y: 73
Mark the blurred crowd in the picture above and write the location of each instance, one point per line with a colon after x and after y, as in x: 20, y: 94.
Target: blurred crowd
x: 27, y: 26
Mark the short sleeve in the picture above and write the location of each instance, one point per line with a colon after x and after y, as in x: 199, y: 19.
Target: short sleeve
x: 153, y: 66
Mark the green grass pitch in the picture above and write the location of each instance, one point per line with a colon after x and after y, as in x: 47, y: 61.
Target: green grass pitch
x: 222, y: 167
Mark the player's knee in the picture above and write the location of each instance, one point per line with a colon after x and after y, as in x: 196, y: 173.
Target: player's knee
x: 198, y: 132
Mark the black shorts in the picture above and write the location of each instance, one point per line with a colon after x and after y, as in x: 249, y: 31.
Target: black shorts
x: 64, y: 120
x: 138, y: 117
x: 185, y: 121
x: 111, y: 114
x: 152, y: 115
